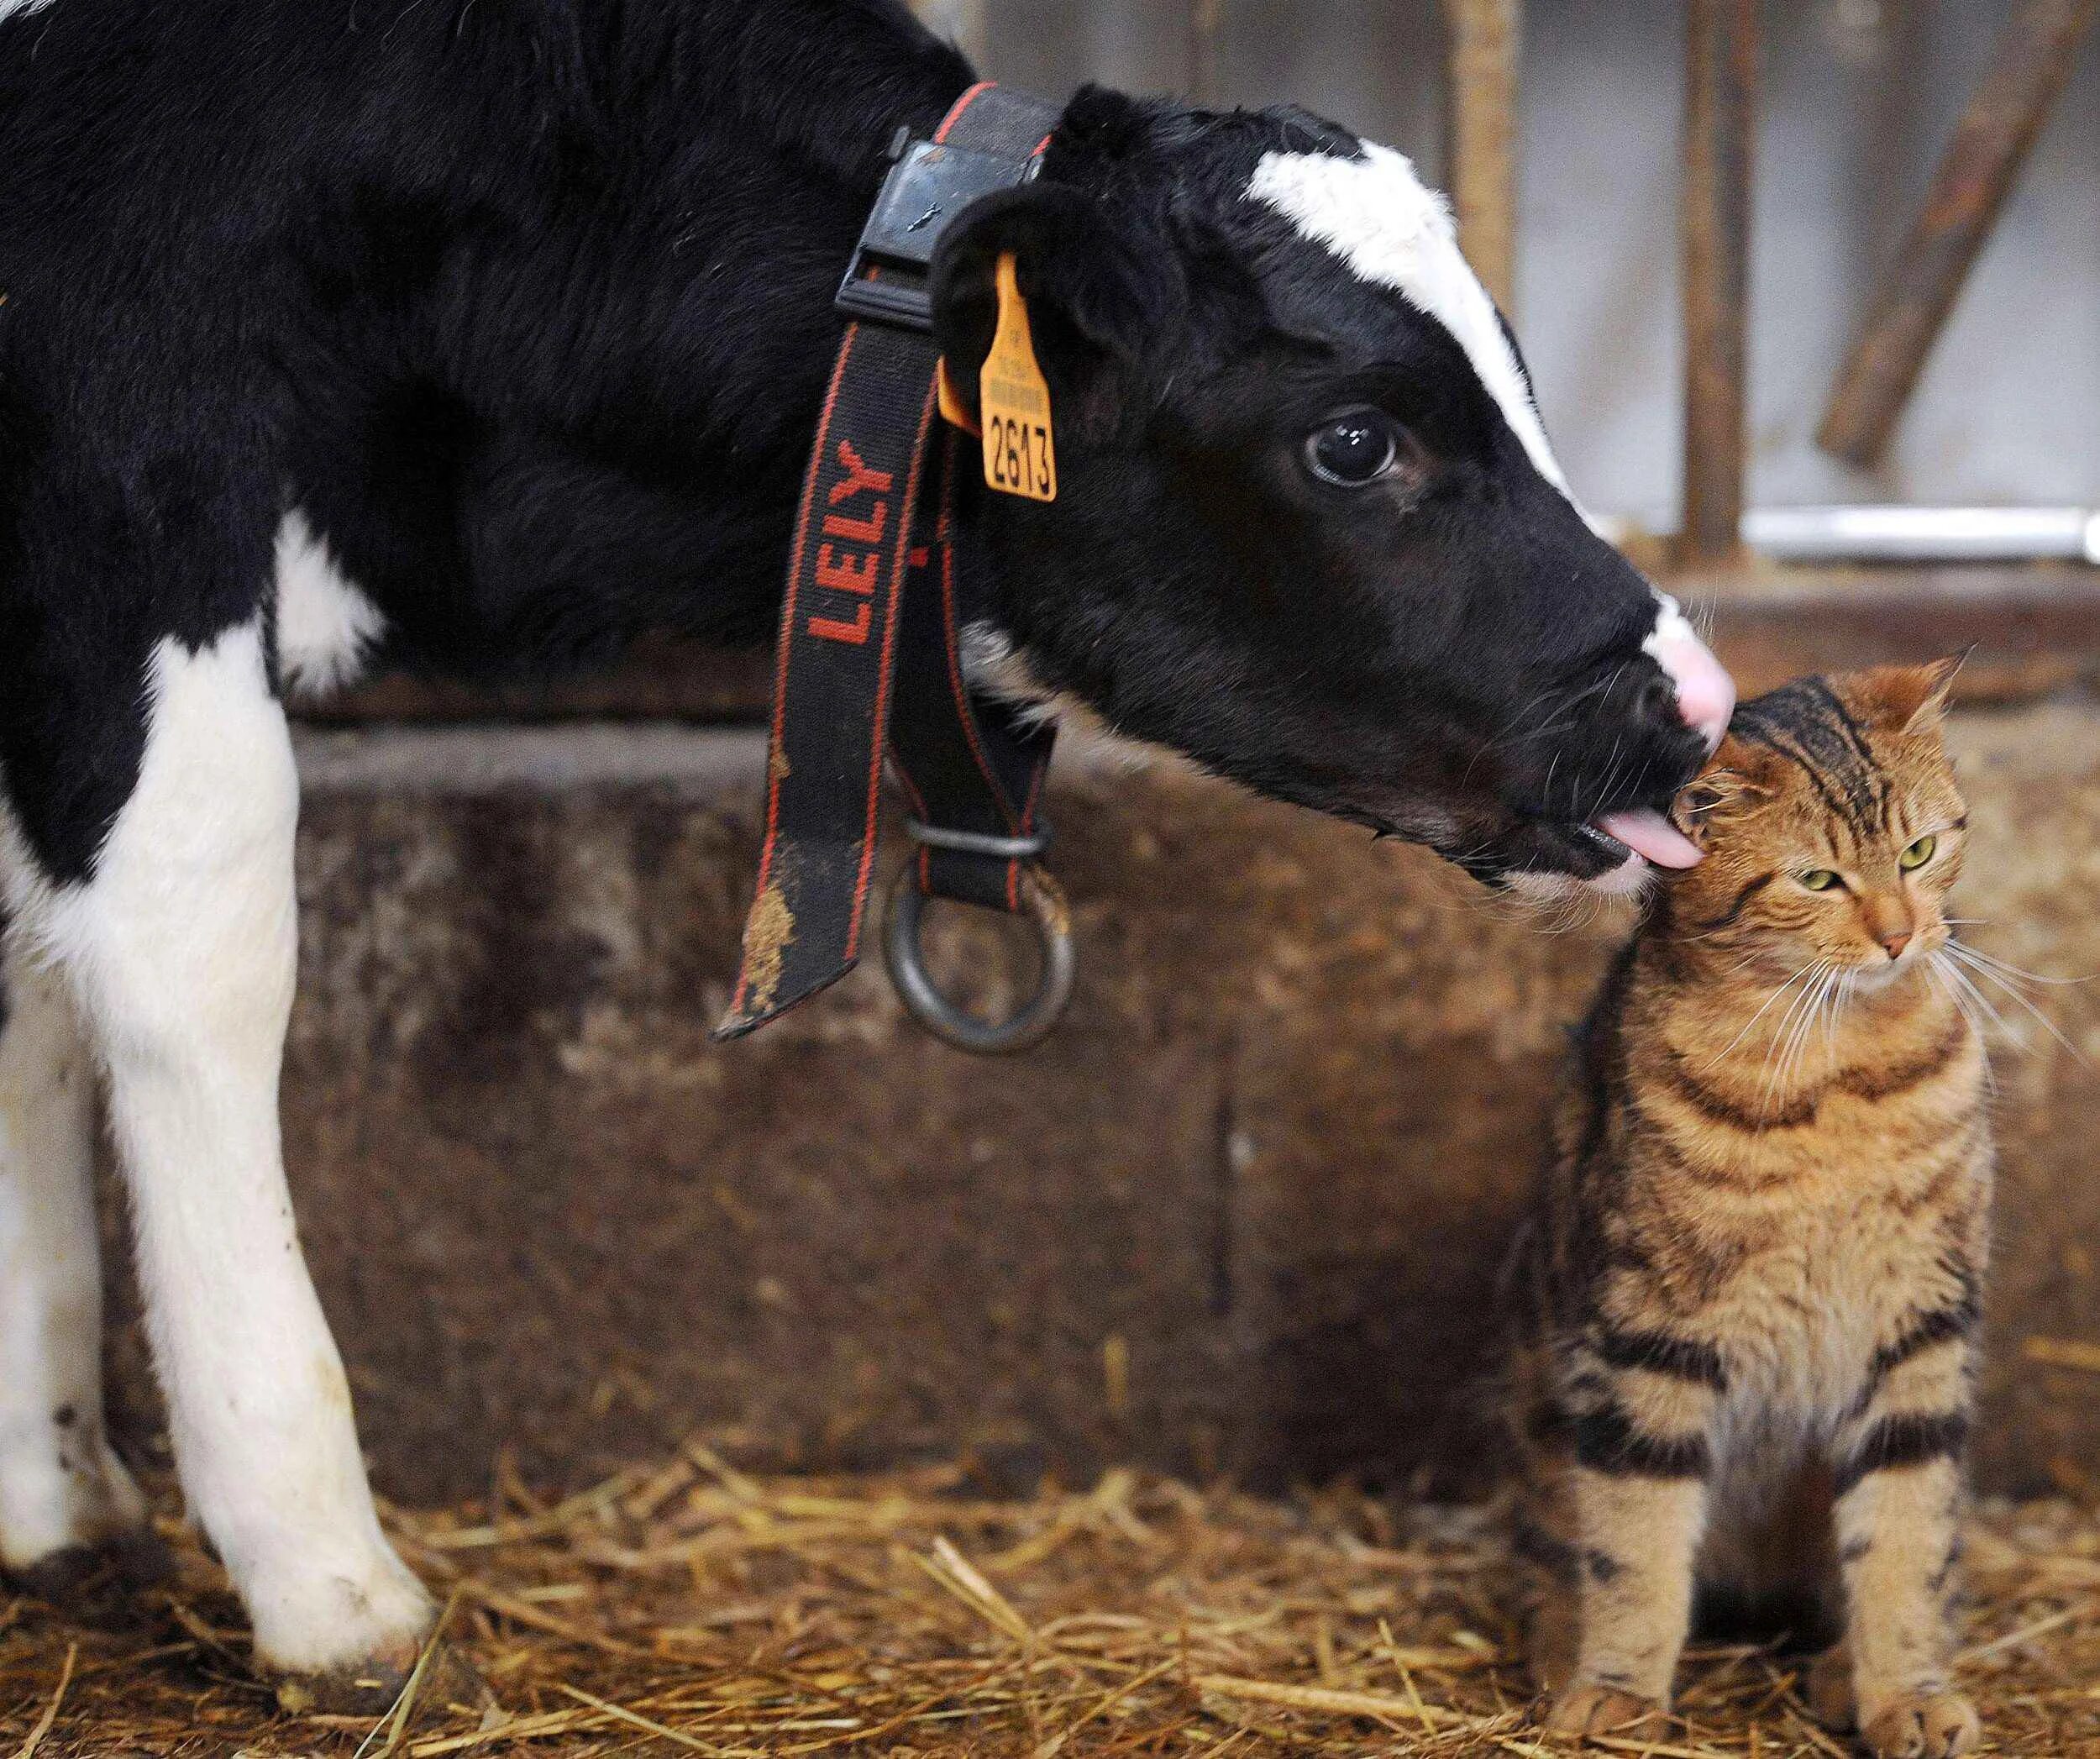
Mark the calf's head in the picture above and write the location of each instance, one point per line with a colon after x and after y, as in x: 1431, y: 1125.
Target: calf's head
x: 1308, y: 528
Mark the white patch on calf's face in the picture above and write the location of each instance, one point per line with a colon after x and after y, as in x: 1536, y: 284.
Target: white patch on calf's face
x: 325, y: 626
x: 1671, y: 624
x: 1706, y: 695
x: 1379, y: 217
x: 8, y: 8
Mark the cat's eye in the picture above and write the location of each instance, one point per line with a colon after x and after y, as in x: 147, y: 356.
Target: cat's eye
x: 1354, y: 450
x: 1919, y: 854
x: 1820, y: 880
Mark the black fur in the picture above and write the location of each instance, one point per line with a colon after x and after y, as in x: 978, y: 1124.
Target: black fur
x: 527, y: 305
x: 1805, y: 721
x: 1799, y: 1618
x: 1658, y: 1352
x: 1905, y: 1440
x: 1608, y: 1440
x: 1938, y: 1326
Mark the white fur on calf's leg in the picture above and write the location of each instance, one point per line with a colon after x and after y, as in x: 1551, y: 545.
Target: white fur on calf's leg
x: 183, y: 948
x: 60, y: 1487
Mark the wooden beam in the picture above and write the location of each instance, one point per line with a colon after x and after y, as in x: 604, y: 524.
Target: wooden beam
x: 2027, y: 629
x: 1721, y: 117
x: 1912, y: 301
x: 2032, y: 629
x: 658, y: 680
x: 1486, y: 39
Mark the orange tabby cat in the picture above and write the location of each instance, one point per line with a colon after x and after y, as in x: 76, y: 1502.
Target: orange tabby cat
x: 1746, y: 1367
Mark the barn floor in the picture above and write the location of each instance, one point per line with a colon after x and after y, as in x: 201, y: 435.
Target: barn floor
x: 689, y: 1608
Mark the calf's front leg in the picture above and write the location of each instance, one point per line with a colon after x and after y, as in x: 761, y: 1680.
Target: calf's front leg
x: 182, y: 949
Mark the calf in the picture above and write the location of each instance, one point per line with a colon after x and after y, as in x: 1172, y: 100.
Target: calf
x: 469, y: 335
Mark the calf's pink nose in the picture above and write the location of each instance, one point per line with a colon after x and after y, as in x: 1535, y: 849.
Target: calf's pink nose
x: 1706, y: 694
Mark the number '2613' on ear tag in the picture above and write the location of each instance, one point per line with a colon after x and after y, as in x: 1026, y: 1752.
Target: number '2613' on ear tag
x: 1020, y: 456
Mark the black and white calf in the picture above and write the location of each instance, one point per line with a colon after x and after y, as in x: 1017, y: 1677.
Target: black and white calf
x: 474, y: 332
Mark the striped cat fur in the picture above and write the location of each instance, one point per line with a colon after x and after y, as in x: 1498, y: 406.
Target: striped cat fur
x: 1748, y: 1296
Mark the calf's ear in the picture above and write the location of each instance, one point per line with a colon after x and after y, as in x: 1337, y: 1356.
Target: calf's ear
x: 1098, y: 297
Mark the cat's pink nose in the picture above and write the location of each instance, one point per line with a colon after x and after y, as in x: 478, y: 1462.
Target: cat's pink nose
x: 1894, y: 944
x: 1705, y: 693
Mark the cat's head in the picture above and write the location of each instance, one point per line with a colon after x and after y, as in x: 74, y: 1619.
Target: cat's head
x: 1831, y: 824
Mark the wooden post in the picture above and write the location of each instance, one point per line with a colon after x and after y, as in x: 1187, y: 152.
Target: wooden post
x: 1486, y: 38
x: 1203, y: 17
x: 962, y: 22
x: 1720, y: 119
x: 1913, y: 298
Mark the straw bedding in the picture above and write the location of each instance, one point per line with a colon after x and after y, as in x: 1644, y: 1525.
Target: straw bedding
x: 690, y: 1608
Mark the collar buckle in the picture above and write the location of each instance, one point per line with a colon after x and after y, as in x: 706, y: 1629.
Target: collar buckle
x: 929, y: 183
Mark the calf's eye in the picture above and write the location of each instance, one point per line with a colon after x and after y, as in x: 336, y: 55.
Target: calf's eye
x: 1820, y: 879
x: 1919, y: 854
x: 1354, y: 450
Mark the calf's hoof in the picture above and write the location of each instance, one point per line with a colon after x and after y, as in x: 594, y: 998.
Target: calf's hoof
x: 1586, y: 1708
x: 1922, y: 1726
x: 374, y: 1687
x: 341, y: 1638
x: 97, y: 1579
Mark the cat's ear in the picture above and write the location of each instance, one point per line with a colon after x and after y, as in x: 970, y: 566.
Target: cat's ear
x: 1693, y: 809
x: 1729, y: 784
x: 1910, y: 699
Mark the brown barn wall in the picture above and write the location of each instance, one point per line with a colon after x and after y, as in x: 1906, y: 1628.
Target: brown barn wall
x: 1243, y: 1213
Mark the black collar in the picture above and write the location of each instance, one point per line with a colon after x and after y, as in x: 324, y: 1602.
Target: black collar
x: 870, y: 651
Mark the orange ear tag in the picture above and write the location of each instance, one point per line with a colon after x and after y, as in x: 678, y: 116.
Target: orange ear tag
x: 953, y: 410
x: 1019, y: 449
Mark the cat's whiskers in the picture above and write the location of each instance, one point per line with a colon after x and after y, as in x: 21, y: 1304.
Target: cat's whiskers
x: 1776, y: 1054
x: 1830, y: 995
x: 1763, y: 1009
x: 2003, y: 975
x: 1841, y: 1001
x: 1804, y: 1032
x: 1966, y: 985
x: 1936, y: 969
x: 1963, y: 949
x: 1784, y: 1036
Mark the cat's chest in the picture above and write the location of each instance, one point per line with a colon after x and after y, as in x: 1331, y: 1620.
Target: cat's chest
x: 1814, y: 1298
x: 1800, y: 1252
x: 1831, y: 1278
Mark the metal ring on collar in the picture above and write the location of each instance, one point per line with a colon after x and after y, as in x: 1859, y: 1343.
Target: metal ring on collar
x: 975, y: 842
x: 906, y: 954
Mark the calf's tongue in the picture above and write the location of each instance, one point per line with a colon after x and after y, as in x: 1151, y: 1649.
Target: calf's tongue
x: 1647, y: 832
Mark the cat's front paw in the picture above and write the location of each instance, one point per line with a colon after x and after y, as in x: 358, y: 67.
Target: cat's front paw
x: 1586, y: 1708
x: 1922, y: 1726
